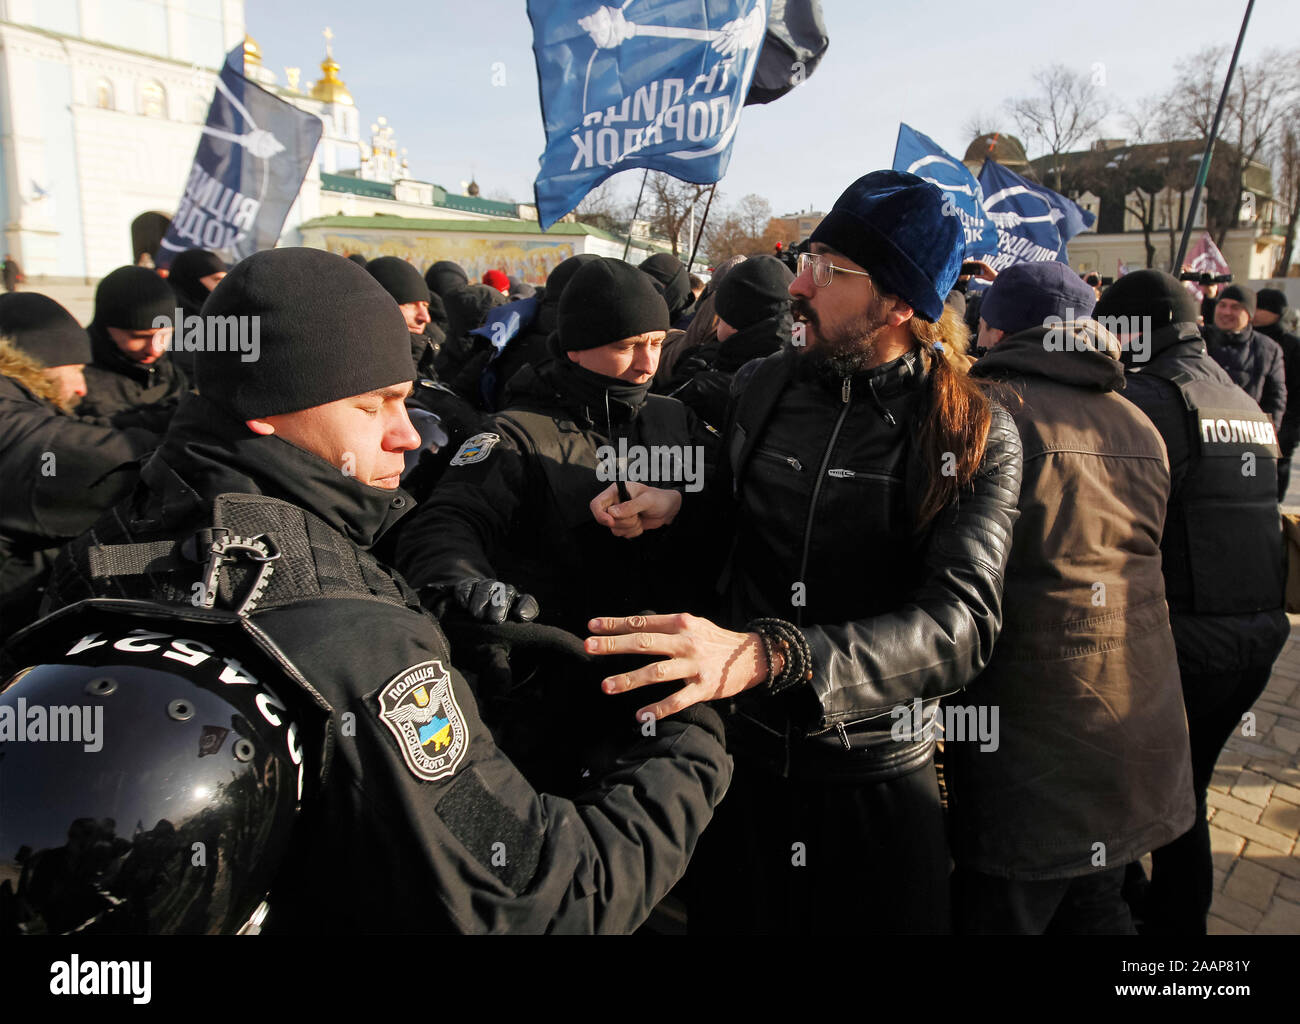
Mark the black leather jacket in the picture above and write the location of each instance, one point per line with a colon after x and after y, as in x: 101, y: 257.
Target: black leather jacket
x: 826, y: 482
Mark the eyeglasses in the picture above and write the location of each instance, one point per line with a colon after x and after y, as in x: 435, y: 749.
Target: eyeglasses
x: 823, y: 270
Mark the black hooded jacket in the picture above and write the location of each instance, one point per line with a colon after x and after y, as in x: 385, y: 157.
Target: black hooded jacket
x: 126, y: 393
x: 412, y: 853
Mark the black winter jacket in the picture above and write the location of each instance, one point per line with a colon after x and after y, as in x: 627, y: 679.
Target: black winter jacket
x: 1289, y: 435
x: 521, y: 513
x: 1255, y: 362
x: 703, y: 377
x: 825, y: 482
x: 1207, y: 643
x: 401, y: 851
x: 60, y: 472
x: 126, y: 393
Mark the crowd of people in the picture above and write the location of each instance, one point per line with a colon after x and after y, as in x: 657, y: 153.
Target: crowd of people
x: 630, y: 584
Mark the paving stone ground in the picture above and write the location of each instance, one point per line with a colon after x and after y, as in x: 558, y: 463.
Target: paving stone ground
x: 1254, y: 811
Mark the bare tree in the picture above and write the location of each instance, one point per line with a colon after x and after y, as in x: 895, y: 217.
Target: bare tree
x: 602, y: 208
x: 671, y: 202
x: 1288, y: 189
x: 984, y: 123
x: 1068, y: 109
x: 745, y: 229
x: 1262, y: 96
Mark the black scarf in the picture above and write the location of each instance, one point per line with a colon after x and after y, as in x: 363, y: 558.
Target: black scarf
x: 214, y: 454
x: 604, y: 399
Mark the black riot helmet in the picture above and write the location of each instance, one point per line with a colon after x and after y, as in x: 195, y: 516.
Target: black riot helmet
x: 151, y: 771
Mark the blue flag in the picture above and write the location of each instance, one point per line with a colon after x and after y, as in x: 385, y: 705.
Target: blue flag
x: 1033, y: 222
x: 920, y: 155
x: 652, y: 83
x: 253, y: 154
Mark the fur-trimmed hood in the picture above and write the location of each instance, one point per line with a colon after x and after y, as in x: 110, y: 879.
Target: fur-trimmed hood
x: 29, y: 374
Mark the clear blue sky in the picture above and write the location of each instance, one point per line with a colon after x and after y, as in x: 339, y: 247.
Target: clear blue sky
x: 428, y: 66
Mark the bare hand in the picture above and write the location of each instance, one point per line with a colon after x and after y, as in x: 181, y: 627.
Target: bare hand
x: 648, y: 508
x: 714, y: 662
x: 986, y: 272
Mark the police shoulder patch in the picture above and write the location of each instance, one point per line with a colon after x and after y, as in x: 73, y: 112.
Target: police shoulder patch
x: 418, y: 705
x: 476, y: 449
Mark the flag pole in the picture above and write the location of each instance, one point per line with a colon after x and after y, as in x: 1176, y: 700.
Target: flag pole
x: 1204, y: 171
x: 637, y: 209
x: 700, y: 234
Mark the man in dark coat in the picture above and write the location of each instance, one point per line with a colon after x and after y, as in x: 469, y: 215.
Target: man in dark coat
x: 1087, y: 767
x: 192, y: 276
x: 1270, y: 308
x: 754, y: 320
x: 403, y: 282
x: 514, y: 505
x: 1222, y: 557
x: 675, y: 283
x: 467, y: 308
x: 60, y: 471
x: 132, y: 380
x: 508, y: 532
x: 430, y: 829
x: 1254, y: 361
x: 871, y: 490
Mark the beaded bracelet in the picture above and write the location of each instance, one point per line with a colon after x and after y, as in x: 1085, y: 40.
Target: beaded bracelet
x: 779, y: 635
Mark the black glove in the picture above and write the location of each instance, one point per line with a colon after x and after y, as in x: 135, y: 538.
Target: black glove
x: 494, y: 601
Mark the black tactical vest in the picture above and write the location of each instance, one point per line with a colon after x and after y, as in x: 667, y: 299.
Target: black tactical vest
x: 1222, y: 544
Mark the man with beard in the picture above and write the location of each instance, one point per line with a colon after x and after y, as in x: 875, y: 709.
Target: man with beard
x: 872, y: 490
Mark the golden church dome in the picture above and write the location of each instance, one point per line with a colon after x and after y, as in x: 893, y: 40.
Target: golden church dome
x: 330, y: 89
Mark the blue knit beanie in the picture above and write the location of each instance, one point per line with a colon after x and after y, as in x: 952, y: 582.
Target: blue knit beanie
x: 894, y: 226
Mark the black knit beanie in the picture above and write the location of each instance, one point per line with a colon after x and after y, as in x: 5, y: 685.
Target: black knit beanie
x: 358, y: 259
x: 609, y: 300
x: 1271, y: 300
x: 1152, y: 293
x: 671, y: 275
x: 131, y: 298
x: 186, y: 276
x: 401, y: 280
x: 444, y: 277
x: 39, y: 326
x: 327, y: 330
x: 755, y: 290
x: 1240, y: 293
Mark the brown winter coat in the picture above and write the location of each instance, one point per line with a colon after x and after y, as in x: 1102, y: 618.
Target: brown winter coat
x: 1092, y: 766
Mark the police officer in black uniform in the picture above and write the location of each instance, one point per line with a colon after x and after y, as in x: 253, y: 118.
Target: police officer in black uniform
x: 263, y: 500
x: 1222, y: 555
x: 509, y: 526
